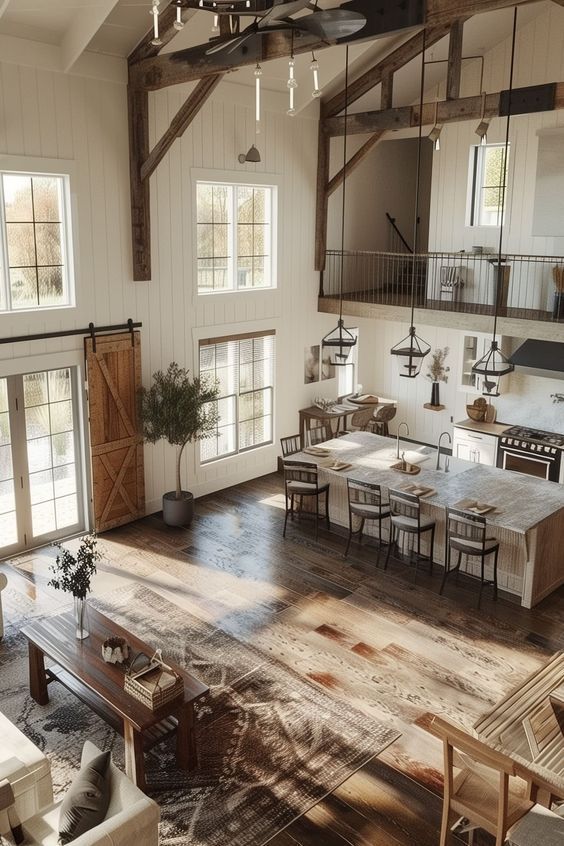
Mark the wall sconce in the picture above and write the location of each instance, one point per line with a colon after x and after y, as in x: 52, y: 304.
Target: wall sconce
x: 252, y: 155
x: 436, y: 130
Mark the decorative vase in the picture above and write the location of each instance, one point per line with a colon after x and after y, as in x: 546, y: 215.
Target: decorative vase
x: 435, y: 400
x: 80, y: 617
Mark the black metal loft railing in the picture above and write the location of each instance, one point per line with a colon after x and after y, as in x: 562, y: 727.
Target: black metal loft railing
x: 461, y: 282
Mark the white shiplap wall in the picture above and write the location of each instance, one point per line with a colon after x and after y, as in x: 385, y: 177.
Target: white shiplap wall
x: 82, y: 121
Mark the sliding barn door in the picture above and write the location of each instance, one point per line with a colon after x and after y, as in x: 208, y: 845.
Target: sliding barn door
x: 113, y: 366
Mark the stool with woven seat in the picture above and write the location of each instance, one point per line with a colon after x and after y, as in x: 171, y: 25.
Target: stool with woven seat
x: 466, y: 533
x: 406, y: 518
x: 365, y: 503
x: 381, y: 419
x: 301, y: 480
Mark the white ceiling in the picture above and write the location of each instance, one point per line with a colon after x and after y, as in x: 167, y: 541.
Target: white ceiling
x: 114, y: 27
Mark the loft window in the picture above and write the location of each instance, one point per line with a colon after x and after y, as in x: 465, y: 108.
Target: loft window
x: 243, y: 367
x: 35, y: 246
x: 234, y: 237
x: 487, y: 163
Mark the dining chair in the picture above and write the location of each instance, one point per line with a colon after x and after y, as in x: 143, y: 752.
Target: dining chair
x: 466, y: 533
x: 301, y: 479
x: 406, y: 518
x: 480, y: 785
x: 382, y: 418
x: 539, y: 827
x: 290, y: 445
x: 365, y: 503
x: 319, y: 434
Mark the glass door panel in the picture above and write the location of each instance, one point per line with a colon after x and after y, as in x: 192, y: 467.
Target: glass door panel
x: 8, y: 514
x: 50, y: 443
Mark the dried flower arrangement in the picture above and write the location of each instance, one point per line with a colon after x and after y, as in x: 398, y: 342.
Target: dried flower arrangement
x: 436, y: 371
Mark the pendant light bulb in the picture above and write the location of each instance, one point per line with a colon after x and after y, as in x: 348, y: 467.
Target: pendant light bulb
x: 314, y: 68
x: 155, y: 41
x: 215, y: 27
x: 178, y: 24
x: 292, y: 85
x: 258, y: 74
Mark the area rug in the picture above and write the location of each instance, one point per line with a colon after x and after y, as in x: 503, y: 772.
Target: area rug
x: 270, y: 744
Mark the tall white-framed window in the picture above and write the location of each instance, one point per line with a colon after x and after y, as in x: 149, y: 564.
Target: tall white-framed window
x: 236, y: 237
x: 485, y: 182
x: 35, y: 241
x: 243, y: 366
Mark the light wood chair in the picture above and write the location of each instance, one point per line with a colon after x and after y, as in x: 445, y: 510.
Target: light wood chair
x: 480, y: 785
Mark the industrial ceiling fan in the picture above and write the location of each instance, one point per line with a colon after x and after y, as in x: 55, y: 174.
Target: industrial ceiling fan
x: 276, y: 16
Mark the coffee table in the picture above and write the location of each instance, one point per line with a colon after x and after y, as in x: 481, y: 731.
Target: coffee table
x: 79, y: 666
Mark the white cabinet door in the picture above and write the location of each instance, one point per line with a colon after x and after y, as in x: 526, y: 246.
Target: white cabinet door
x: 475, y: 446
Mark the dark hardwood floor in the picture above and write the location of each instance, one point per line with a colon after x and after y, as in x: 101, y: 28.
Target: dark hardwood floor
x: 393, y: 649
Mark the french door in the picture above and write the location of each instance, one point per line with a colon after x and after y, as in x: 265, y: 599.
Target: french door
x: 40, y: 481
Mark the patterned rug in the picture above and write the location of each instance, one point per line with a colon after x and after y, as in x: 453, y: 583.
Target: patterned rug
x: 270, y: 744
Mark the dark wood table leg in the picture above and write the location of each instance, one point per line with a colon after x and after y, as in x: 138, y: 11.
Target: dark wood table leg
x: 134, y: 756
x: 37, y: 677
x: 302, y: 430
x: 186, y: 753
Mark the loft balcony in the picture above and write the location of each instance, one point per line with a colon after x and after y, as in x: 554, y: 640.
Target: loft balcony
x: 526, y: 287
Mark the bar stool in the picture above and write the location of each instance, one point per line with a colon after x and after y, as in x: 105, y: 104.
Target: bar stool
x: 301, y: 480
x: 365, y: 502
x: 290, y: 445
x: 319, y: 434
x: 405, y: 515
x: 382, y: 418
x: 467, y: 534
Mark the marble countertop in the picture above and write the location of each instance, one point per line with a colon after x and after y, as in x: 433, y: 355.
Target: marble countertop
x: 487, y: 428
x: 521, y: 501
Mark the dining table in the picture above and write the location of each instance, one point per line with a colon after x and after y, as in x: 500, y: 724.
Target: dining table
x: 313, y: 415
x: 527, y: 726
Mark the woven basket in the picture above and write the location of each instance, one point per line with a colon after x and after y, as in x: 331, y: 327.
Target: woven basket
x: 146, y: 688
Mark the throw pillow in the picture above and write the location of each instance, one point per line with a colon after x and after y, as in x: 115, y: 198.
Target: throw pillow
x: 86, y: 802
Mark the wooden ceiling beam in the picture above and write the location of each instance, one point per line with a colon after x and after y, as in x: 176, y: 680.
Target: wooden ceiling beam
x: 387, y: 91
x: 395, y: 60
x: 180, y: 122
x: 454, y: 68
x: 138, y: 109
x: 353, y: 162
x: 405, y: 117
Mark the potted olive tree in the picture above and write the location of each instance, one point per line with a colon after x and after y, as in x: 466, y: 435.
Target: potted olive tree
x: 178, y: 409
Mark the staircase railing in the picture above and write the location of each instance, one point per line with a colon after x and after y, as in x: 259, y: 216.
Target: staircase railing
x: 396, y: 242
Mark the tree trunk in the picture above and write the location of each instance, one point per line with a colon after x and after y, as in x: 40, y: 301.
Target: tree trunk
x: 178, y: 479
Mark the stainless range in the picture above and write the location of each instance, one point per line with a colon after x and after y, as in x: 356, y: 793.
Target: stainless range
x: 533, y: 452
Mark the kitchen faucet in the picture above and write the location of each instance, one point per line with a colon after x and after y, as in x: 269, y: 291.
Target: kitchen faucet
x: 438, y: 467
x: 403, y: 423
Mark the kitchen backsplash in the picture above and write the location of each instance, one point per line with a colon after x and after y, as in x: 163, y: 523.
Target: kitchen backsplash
x: 526, y: 401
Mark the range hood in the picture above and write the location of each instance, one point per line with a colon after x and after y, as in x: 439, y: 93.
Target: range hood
x: 540, y: 358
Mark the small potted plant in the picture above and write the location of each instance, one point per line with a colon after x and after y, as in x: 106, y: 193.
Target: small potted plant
x: 437, y: 372
x: 178, y: 409
x: 73, y: 574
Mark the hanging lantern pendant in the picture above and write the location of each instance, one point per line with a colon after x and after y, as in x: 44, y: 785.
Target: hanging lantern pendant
x: 409, y: 354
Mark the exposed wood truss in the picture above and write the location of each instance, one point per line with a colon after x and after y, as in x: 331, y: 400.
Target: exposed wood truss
x: 454, y: 60
x: 353, y: 162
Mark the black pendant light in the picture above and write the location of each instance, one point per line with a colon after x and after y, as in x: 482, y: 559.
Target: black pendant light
x: 494, y: 364
x: 411, y: 351
x: 340, y: 340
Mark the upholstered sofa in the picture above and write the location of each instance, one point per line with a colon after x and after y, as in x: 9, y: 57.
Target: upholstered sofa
x: 28, y: 771
x: 132, y: 818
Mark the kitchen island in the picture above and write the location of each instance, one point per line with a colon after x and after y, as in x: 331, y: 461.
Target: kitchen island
x: 528, y: 519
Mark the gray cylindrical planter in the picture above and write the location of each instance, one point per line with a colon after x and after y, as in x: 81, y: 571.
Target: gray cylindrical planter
x: 178, y: 512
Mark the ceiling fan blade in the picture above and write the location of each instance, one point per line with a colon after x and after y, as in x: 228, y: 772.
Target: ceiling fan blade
x: 232, y: 44
x: 282, y: 10
x: 332, y: 24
